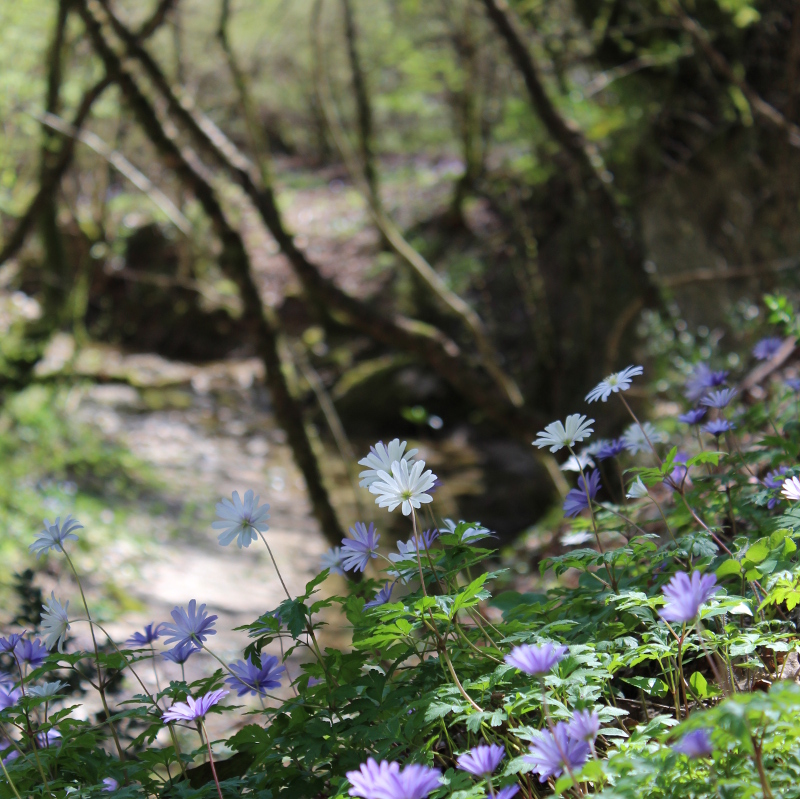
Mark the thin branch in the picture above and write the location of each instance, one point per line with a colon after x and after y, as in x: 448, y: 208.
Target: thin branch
x: 124, y: 166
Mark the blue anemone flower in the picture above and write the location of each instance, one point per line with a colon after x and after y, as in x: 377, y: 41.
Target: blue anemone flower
x: 191, y: 626
x: 255, y: 679
x: 357, y: 551
x: 576, y: 499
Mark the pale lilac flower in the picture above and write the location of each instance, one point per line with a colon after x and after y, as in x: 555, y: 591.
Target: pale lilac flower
x: 766, y: 348
x: 54, y: 535
x: 381, y: 458
x: 474, y: 533
x: 241, y: 520
x: 793, y: 383
x: 44, y: 739
x: 552, y: 751
x: 637, y: 490
x: 332, y: 559
x: 791, y: 489
x: 557, y: 434
x: 382, y: 597
x: 693, y: 416
x: 717, y: 427
x: 193, y: 709
x: 679, y: 478
x: 774, y: 480
x: 151, y: 633
x: 507, y: 792
x: 181, y: 653
x: 253, y: 678
x: 576, y: 499
x: 33, y: 652
x: 110, y: 784
x: 407, y: 550
x: 482, y: 760
x: 611, y: 449
x: 635, y: 438
x: 694, y: 744
x: 13, y: 755
x: 357, y: 551
x: 193, y: 626
x: 619, y: 381
x: 9, y: 644
x: 719, y: 399
x: 403, y: 487
x: 536, y: 660
x: 9, y: 695
x: 584, y: 726
x: 55, y: 622
x: 48, y: 689
x: 686, y: 595
x: 701, y: 380
x: 387, y: 781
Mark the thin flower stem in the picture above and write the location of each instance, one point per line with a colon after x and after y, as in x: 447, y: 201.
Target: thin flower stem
x: 641, y: 427
x: 204, y: 733
x: 728, y: 689
x: 100, y: 686
x: 460, y: 687
x: 277, y: 570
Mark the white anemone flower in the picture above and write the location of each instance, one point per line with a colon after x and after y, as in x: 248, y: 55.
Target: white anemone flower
x: 55, y: 622
x: 619, y: 381
x: 403, y: 486
x: 241, y: 520
x: 578, y: 463
x: 48, y: 689
x: 557, y: 434
x: 381, y: 457
x: 634, y: 437
x: 791, y: 488
x: 637, y: 490
x: 473, y: 533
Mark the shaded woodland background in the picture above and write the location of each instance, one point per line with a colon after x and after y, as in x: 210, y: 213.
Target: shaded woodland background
x: 444, y: 220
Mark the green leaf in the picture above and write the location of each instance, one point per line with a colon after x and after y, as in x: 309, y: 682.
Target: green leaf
x: 469, y: 596
x: 653, y: 686
x: 757, y: 552
x: 728, y: 567
x: 700, y: 685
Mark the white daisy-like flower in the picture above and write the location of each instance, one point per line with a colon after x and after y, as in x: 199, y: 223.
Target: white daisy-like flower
x: 54, y: 535
x: 241, y: 520
x: 332, y: 559
x: 381, y: 457
x: 557, y: 434
x: 55, y: 622
x: 635, y: 440
x: 403, y: 486
x: 791, y: 488
x: 473, y: 533
x: 48, y: 689
x: 637, y: 490
x: 619, y: 381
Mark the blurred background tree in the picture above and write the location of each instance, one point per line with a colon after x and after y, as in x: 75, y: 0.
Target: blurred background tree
x: 443, y: 216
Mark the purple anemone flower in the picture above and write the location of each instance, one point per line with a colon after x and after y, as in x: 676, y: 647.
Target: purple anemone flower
x: 181, y: 653
x: 774, y: 480
x: 793, y: 383
x: 584, y: 726
x: 193, y: 709
x: 357, y: 551
x: 9, y: 644
x: 693, y: 416
x: 150, y: 634
x: 719, y: 399
x: 387, y: 781
x: 31, y: 651
x: 9, y: 695
x: 766, y: 348
x: 551, y: 752
x: 576, y: 499
x: 193, y: 626
x: 253, y: 678
x: 717, y: 427
x: 701, y: 380
x: 694, y: 744
x: 686, y: 595
x: 507, y: 792
x: 679, y: 476
x: 536, y: 660
x: 382, y: 597
x: 611, y: 449
x: 482, y: 760
x: 110, y: 784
